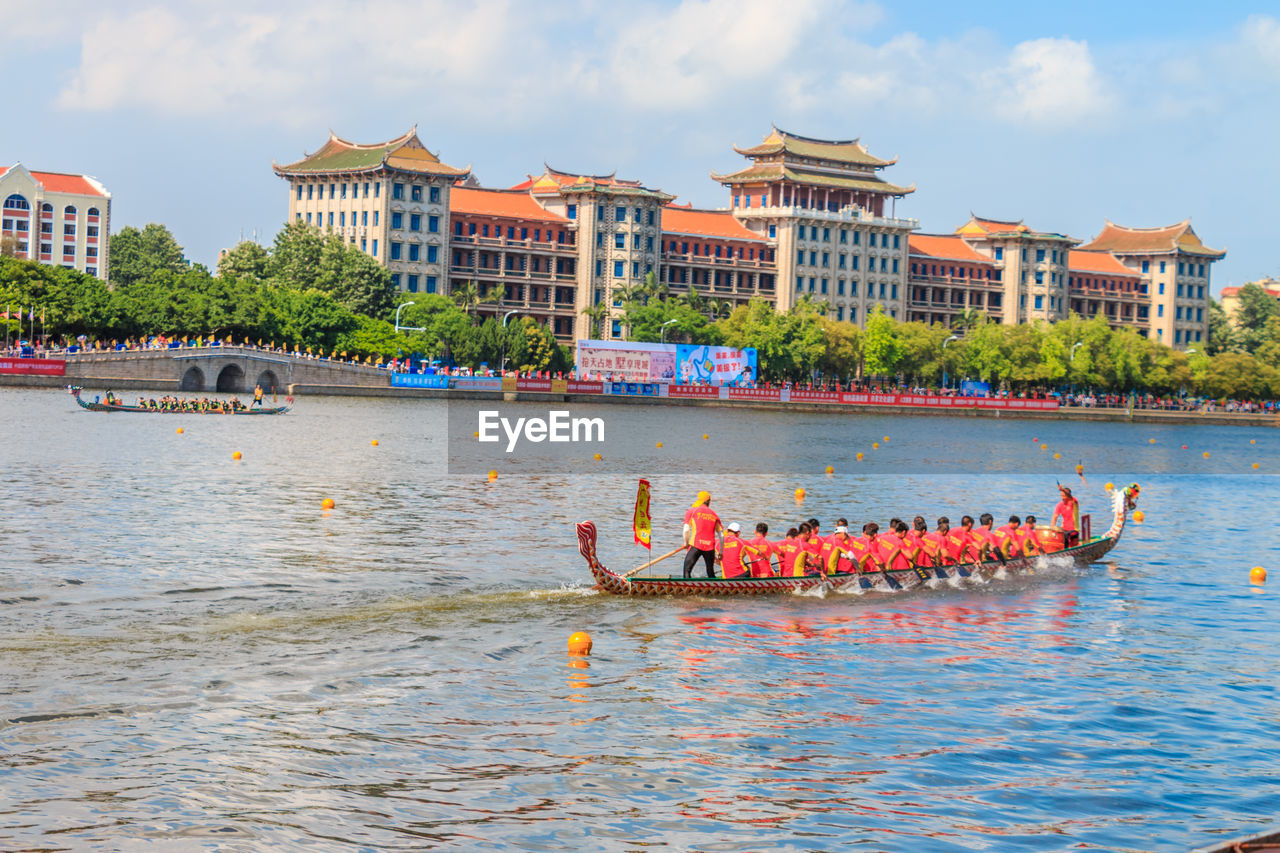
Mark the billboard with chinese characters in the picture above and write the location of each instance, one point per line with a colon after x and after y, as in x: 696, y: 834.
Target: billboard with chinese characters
x: 626, y: 361
x: 708, y: 365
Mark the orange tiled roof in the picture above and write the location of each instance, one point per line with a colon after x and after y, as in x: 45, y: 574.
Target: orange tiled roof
x: 706, y: 223
x: 1152, y: 241
x: 405, y: 152
x: 61, y: 182
x: 1104, y: 263
x: 511, y: 204
x: 982, y: 225
x: 1232, y: 292
x: 944, y: 246
x: 839, y: 150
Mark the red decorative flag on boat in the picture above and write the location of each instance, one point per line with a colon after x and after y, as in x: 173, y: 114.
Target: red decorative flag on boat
x: 641, y: 523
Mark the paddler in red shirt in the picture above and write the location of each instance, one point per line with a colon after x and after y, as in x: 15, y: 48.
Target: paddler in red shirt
x: 787, y: 549
x: 736, y: 554
x: 984, y: 539
x: 960, y: 547
x: 865, y: 550
x: 1068, y: 513
x: 701, y: 529
x: 914, y: 540
x: 761, y: 568
x: 893, y: 553
x: 1006, y: 538
x: 935, y: 543
x: 1027, y: 542
x: 833, y: 552
x: 812, y: 544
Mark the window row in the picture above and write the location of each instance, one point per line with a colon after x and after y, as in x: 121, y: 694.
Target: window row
x: 415, y: 222
x: 620, y: 215
x: 821, y: 286
x: 844, y: 261
x: 360, y: 218
x: 512, y: 263
x: 414, y: 252
x: 620, y: 241
x: 411, y: 282
x: 684, y: 247
x: 538, y: 235
x: 17, y: 201
x: 372, y: 189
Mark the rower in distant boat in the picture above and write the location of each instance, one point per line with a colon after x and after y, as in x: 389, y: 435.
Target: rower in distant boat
x: 701, y: 530
x: 257, y: 396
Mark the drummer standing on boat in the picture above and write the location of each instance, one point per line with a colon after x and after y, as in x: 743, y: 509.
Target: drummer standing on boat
x: 701, y: 530
x: 1068, y: 511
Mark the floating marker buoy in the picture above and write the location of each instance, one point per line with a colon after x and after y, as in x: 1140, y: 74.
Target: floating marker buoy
x: 1044, y: 447
x: 179, y: 430
x: 1057, y: 456
x: 886, y: 438
x: 1206, y: 454
x: 597, y: 457
x: 1258, y: 575
x: 800, y: 493
x: 327, y: 503
x: 1251, y: 441
x: 1079, y: 469
x: 659, y: 445
x: 1109, y: 486
x: 374, y: 443
x: 859, y: 455
x: 830, y: 470
x: 476, y: 434
x: 236, y: 455
x: 1151, y: 441
x: 1255, y: 465
x: 493, y: 475
x: 1034, y: 440
x: 875, y: 445
x: 579, y: 643
x: 1139, y: 515
x: 706, y: 436
x: 1184, y: 447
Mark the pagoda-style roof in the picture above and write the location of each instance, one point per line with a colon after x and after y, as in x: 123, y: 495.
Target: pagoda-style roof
x: 981, y: 226
x: 944, y: 247
x: 836, y: 150
x: 404, y: 154
x: 508, y: 204
x: 1100, y: 263
x: 551, y: 180
x: 764, y: 172
x: 720, y: 224
x: 1168, y: 240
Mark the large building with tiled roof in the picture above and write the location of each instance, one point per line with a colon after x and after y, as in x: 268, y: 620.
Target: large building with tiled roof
x: 808, y: 217
x: 391, y: 199
x: 56, y: 218
x: 832, y: 221
x: 1177, y: 267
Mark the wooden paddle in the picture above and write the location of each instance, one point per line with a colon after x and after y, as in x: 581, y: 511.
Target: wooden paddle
x: 655, y: 560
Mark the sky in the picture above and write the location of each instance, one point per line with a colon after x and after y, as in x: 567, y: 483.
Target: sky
x: 1061, y: 115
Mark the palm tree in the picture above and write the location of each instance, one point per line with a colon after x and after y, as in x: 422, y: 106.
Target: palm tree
x: 967, y: 319
x: 468, y: 299
x: 597, y: 314
x: 718, y: 309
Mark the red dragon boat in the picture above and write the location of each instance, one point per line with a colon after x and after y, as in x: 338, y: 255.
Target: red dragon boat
x: 1122, y: 500
x: 74, y: 391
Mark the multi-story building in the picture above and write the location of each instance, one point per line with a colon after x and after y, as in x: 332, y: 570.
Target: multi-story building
x: 822, y: 205
x: 391, y: 199
x: 1176, y: 266
x: 56, y: 218
x: 808, y: 218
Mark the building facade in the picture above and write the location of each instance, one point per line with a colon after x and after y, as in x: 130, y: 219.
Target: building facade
x: 806, y: 219
x: 56, y: 218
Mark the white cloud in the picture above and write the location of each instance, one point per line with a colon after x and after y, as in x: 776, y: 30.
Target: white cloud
x: 1049, y: 81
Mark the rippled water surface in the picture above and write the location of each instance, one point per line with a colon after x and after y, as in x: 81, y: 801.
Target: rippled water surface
x: 194, y: 656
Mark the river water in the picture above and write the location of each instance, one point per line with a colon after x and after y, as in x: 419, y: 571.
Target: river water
x: 194, y: 656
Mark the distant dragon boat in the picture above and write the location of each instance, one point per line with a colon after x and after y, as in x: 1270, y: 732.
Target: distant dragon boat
x: 1122, y: 501
x: 220, y: 410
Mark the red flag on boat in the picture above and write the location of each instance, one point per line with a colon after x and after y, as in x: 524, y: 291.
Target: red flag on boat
x: 641, y: 523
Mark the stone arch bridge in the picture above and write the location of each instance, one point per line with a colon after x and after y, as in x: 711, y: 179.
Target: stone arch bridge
x: 228, y: 369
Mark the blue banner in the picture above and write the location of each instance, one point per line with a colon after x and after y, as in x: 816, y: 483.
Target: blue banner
x: 708, y: 365
x: 634, y: 389
x: 418, y: 380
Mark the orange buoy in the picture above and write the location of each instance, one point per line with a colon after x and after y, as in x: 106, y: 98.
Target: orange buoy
x: 1044, y: 447
x: 1206, y: 454
x: 493, y: 475
x: 830, y: 470
x: 1035, y: 440
x: 1139, y: 515
x: 475, y: 434
x: 327, y: 503
x: 859, y: 455
x: 179, y: 430
x: 579, y: 643
x: 1079, y: 469
x: 875, y: 445
x: 886, y: 438
x: 1258, y: 575
x: 236, y: 456
x: 597, y: 457
x: 705, y: 436
x: 1255, y: 465
x: 800, y: 493
x: 1184, y: 447
x: 1109, y: 486
x: 1151, y: 441
x: 1057, y: 456
x: 659, y: 445
x: 1253, y: 441
x: 374, y: 443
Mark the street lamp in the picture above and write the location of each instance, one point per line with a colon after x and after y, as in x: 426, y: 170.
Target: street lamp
x: 1075, y: 347
x: 400, y: 328
x: 944, y: 364
x: 663, y: 336
x: 505, y: 317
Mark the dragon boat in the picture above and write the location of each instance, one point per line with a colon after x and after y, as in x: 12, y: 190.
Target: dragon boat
x: 220, y: 410
x: 1089, y: 551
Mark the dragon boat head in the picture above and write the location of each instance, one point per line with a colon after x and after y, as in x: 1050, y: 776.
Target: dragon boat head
x: 587, y: 541
x: 1131, y: 493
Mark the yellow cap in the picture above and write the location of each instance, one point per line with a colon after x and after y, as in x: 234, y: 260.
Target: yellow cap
x: 702, y: 498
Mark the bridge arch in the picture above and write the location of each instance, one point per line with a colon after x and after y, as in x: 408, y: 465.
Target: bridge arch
x: 192, y: 380
x: 269, y: 381
x: 231, y: 379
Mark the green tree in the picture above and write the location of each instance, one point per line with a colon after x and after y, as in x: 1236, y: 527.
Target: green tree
x: 138, y: 255
x: 881, y: 349
x: 1221, y: 332
x: 1255, y: 308
x: 597, y: 314
x: 246, y: 260
x: 841, y: 349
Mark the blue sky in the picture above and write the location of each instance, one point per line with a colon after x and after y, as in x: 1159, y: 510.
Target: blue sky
x: 1059, y: 114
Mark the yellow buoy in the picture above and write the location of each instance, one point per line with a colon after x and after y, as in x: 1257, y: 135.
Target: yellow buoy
x: 1079, y: 469
x: 1044, y: 447
x: 1258, y: 575
x: 875, y: 445
x: 1057, y: 456
x: 327, y: 503
x: 1206, y: 454
x: 1253, y: 441
x: 1109, y: 486
x: 659, y: 445
x: 597, y: 457
x: 579, y: 643
x: 236, y: 455
x: 374, y: 443
x: 705, y: 435
x: 886, y: 438
x: 830, y: 470
x: 859, y: 455
x: 1255, y: 465
x: 179, y: 430
x: 800, y: 493
x: 493, y: 475
x: 1139, y: 515
x: 1151, y: 441
x: 476, y: 434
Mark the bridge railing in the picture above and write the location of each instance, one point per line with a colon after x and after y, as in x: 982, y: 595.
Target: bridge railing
x: 216, y: 349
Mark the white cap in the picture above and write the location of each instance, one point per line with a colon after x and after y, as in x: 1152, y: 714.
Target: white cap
x: 842, y: 529
x: 734, y: 527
